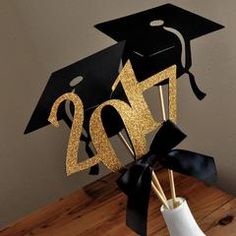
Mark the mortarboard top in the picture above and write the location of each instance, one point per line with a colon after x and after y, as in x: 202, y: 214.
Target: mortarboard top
x: 152, y: 48
x: 98, y: 71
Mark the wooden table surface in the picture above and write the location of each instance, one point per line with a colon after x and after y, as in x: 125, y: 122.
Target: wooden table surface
x: 99, y: 209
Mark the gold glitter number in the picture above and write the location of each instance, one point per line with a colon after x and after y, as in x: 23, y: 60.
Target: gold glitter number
x: 72, y: 164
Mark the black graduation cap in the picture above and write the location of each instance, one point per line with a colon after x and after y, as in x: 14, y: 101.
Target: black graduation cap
x: 153, y: 39
x: 98, y: 72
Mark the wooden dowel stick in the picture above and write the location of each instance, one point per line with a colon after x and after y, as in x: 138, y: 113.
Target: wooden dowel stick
x: 172, y: 186
x: 156, y: 181
x: 163, y: 110
x: 158, y: 185
x: 126, y: 143
x: 170, y: 172
x: 159, y: 195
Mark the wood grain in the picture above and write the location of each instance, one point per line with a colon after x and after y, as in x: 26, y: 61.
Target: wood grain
x: 99, y: 209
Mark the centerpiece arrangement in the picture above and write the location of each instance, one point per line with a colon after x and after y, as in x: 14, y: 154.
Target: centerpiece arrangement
x: 103, y: 95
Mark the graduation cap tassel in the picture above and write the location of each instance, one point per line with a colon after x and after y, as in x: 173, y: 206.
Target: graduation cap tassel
x: 185, y: 43
x: 188, y: 63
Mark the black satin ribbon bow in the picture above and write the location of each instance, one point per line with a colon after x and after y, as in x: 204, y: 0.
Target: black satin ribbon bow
x: 135, y: 182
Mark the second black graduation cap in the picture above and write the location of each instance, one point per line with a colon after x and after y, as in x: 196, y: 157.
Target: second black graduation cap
x: 153, y: 48
x: 98, y: 71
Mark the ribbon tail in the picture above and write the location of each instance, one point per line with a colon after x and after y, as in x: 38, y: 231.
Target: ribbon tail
x: 191, y: 163
x: 136, y: 184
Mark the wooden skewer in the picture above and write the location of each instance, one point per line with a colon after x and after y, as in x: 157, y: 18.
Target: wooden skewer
x: 155, y: 182
x: 126, y: 144
x: 172, y: 187
x: 170, y: 172
x: 163, y: 110
x: 158, y: 185
x: 159, y: 195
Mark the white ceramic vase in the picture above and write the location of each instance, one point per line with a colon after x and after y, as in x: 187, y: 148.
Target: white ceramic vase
x: 180, y: 221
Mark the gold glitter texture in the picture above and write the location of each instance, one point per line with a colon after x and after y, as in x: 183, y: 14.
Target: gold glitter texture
x: 101, y: 141
x: 72, y: 164
x: 170, y: 74
x: 136, y: 99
